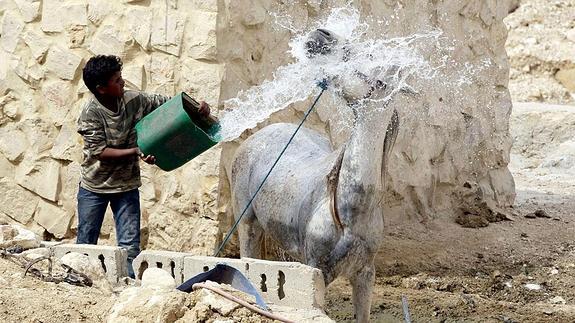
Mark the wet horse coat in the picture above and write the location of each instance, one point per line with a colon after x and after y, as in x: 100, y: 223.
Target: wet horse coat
x: 320, y: 205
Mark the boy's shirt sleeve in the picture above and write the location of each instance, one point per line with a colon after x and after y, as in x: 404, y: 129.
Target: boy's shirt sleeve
x: 151, y: 101
x: 91, y: 127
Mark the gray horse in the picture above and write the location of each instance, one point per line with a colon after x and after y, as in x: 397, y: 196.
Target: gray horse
x: 320, y: 205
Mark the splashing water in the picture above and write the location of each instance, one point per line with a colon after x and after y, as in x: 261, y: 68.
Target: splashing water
x: 355, y: 61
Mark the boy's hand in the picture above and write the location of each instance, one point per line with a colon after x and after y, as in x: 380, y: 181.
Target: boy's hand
x: 147, y: 158
x: 204, y: 109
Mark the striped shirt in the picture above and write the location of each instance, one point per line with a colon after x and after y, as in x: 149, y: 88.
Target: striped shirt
x: 101, y: 128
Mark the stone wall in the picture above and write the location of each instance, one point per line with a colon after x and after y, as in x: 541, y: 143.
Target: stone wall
x: 452, y: 150
x: 167, y: 47
x: 541, y: 48
x: 450, y: 159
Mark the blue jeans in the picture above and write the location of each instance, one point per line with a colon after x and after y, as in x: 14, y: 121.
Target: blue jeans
x: 126, y: 209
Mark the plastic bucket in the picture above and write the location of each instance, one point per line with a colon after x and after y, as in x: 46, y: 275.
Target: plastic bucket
x: 175, y: 132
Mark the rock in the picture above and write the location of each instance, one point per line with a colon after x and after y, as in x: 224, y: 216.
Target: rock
x: 29, y: 72
x: 531, y: 286
x: 567, y: 78
x: 53, y: 219
x: 29, y: 9
x: 202, y: 44
x: 41, y: 177
x: 58, y: 97
x: 469, y: 220
x: 84, y: 264
x: 62, y: 63
x: 76, y: 35
x: 50, y: 21
x: 58, y: 15
x: 557, y: 300
x: 64, y: 148
x: 13, y: 143
x: 548, y: 312
x: 140, y: 26
x: 18, y: 203
x: 157, y: 278
x: 570, y: 34
x: 155, y: 305
x: 98, y: 10
x: 170, y: 40
x: 254, y: 15
x: 14, y: 235
x: 6, y: 167
x: 89, y: 267
x: 109, y: 40
x: 12, y: 27
x: 38, y: 45
x: 217, y: 303
x: 133, y: 74
x: 541, y: 214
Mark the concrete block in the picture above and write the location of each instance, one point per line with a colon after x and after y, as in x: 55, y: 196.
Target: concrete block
x: 114, y: 260
x: 282, y: 283
x: 288, y: 283
x: 194, y: 265
x: 172, y: 262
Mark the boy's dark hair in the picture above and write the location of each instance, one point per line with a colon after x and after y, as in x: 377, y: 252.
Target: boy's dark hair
x: 99, y: 69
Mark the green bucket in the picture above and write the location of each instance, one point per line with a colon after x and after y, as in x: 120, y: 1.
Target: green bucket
x: 175, y: 132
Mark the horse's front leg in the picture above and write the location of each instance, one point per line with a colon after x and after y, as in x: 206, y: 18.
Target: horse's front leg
x: 362, y: 283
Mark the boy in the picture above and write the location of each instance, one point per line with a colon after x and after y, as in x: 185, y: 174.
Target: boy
x: 110, y: 167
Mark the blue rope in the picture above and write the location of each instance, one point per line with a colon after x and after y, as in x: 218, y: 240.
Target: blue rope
x: 323, y: 86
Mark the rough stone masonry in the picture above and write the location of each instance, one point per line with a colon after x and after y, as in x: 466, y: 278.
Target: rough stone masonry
x: 453, y: 147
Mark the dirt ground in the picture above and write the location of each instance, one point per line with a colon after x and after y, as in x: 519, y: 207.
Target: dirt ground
x: 522, y: 270
x: 27, y: 299
x: 511, y: 271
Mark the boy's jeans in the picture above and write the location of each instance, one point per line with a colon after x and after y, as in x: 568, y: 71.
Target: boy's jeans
x: 126, y: 208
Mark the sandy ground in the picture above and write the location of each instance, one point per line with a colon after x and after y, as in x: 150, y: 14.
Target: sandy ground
x: 482, y: 274
x: 511, y: 271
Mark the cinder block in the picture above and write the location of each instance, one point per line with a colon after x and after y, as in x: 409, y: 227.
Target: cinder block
x: 172, y: 262
x: 194, y: 265
x: 288, y: 283
x: 114, y: 260
x: 282, y: 283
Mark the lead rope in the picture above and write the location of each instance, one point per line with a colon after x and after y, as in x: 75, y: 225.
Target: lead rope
x: 323, y: 86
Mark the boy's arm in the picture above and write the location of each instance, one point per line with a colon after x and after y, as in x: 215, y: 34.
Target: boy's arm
x: 92, y: 130
x: 151, y: 101
x: 115, y: 153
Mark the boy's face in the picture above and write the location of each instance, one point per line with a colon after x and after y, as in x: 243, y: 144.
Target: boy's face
x: 115, y: 86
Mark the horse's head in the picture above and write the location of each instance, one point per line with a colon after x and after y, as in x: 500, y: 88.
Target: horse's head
x: 320, y: 42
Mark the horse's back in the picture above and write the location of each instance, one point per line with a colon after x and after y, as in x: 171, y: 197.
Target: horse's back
x: 286, y: 201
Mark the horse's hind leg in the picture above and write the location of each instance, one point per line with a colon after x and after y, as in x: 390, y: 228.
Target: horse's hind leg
x: 362, y: 283
x: 251, y: 236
